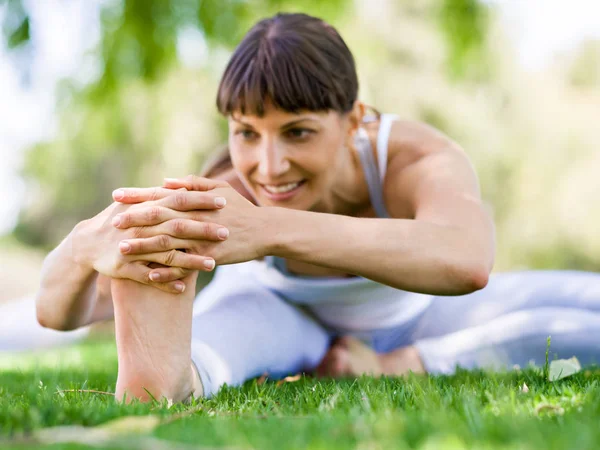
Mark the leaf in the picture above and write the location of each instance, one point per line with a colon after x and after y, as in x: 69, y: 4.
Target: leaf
x: 289, y: 379
x: 562, y: 368
x: 100, y: 434
x: 549, y: 409
x: 131, y: 424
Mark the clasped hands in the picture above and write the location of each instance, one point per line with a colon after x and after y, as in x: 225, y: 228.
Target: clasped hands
x: 193, y: 223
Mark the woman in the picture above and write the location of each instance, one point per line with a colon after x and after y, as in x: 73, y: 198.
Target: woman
x: 340, y: 236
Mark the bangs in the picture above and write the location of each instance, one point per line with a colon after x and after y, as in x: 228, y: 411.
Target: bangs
x: 290, y: 73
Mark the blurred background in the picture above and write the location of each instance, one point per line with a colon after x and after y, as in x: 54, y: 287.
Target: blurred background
x: 98, y: 94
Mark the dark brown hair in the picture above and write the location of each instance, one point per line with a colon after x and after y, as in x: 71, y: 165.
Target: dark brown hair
x: 295, y: 61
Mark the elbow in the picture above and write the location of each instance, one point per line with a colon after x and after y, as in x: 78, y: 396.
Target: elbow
x: 478, y: 278
x: 474, y: 269
x: 472, y: 278
x: 46, y: 320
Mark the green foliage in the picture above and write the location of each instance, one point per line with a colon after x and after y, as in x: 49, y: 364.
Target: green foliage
x: 140, y: 37
x: 464, y: 24
x: 15, y: 26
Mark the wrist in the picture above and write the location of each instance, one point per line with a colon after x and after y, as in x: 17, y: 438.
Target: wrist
x: 80, y: 252
x: 278, y: 229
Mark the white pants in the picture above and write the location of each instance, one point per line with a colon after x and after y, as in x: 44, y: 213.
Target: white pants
x: 242, y: 329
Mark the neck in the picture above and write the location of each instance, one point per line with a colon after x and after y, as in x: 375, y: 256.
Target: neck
x: 349, y: 193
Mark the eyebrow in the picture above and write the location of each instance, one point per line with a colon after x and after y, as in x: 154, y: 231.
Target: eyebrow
x: 285, y: 125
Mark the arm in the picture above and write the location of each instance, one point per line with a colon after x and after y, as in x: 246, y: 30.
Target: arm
x: 449, y: 252
x: 71, y: 294
x: 444, y: 247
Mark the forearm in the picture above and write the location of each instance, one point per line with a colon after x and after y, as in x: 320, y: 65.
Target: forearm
x: 406, y: 254
x: 68, y: 293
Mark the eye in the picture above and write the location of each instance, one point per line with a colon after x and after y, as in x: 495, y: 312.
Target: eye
x: 247, y: 134
x: 299, y: 133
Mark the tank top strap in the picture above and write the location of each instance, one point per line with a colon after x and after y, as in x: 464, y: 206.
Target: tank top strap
x: 383, y: 139
x: 375, y: 171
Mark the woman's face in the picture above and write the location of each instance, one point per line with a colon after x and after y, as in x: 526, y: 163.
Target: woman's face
x: 287, y: 159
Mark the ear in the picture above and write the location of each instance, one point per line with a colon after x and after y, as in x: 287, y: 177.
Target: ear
x: 355, y: 118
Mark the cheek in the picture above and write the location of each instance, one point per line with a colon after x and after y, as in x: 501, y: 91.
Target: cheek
x: 241, y: 160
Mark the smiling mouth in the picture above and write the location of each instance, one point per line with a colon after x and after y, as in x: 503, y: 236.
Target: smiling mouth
x: 282, y: 188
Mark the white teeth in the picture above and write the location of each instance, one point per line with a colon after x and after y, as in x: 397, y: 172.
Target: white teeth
x: 283, y: 188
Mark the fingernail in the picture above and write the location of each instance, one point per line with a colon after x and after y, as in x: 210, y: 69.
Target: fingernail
x: 118, y: 194
x: 154, y: 276
x: 170, y: 180
x: 126, y: 248
x: 180, y: 287
x: 222, y: 233
x: 116, y: 221
x: 220, y: 202
x: 209, y: 264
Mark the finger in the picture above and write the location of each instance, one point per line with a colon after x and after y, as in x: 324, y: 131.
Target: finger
x: 155, y: 244
x: 143, y: 216
x: 164, y: 275
x: 183, y: 200
x: 141, y: 273
x: 193, y: 183
x: 185, y: 229
x: 139, y: 195
x: 176, y: 258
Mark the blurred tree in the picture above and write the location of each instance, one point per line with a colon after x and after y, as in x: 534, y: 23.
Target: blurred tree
x: 15, y: 25
x: 465, y: 25
x: 585, y: 67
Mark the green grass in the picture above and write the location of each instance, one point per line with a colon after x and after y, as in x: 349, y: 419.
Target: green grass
x: 467, y: 410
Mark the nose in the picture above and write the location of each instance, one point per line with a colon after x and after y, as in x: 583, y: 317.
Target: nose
x: 273, y: 161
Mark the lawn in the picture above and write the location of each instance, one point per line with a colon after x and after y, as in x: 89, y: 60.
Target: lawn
x: 46, y: 400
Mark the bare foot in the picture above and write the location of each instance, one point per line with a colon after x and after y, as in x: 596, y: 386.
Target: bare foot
x: 153, y: 333
x: 349, y: 356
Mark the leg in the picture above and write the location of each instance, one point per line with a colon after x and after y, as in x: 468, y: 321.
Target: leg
x: 153, y: 333
x: 507, y: 323
x: 242, y: 330
x: 349, y: 357
x: 20, y: 330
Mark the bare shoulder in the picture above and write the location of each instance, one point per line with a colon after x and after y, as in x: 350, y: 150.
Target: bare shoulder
x: 421, y: 158
x: 411, y: 141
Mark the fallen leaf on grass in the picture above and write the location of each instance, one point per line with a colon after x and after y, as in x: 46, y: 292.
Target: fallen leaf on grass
x: 289, y: 379
x: 131, y: 424
x: 100, y: 434
x: 90, y: 391
x: 562, y: 368
x: 549, y: 408
x: 121, y: 431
